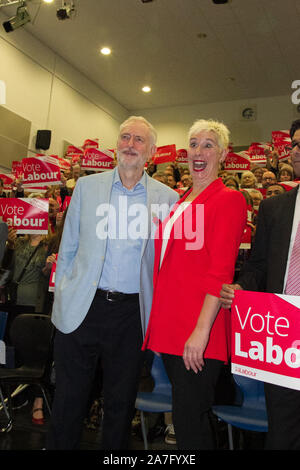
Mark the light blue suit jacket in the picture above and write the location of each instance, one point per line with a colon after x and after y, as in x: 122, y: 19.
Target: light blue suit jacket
x: 81, y: 253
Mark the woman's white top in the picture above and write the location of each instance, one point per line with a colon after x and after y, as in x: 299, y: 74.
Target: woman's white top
x: 168, y: 228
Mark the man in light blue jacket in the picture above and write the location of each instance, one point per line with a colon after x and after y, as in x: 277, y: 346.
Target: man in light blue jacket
x: 103, y: 289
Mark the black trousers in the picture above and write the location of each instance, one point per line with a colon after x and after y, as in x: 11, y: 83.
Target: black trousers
x: 283, y: 409
x: 112, y: 333
x: 192, y: 397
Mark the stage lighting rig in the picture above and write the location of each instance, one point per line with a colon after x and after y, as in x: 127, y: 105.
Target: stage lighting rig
x: 22, y: 17
x: 66, y: 11
x: 7, y: 3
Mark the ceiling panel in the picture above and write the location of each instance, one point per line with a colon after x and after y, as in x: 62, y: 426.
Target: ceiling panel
x: 251, y: 47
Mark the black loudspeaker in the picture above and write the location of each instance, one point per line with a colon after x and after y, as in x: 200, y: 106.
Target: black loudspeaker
x: 43, y: 139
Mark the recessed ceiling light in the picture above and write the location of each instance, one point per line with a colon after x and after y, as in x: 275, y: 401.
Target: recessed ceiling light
x: 146, y: 89
x: 105, y: 51
x: 48, y: 1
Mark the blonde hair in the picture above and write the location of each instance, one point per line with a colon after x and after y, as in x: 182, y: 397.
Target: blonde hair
x: 221, y: 131
x: 256, y: 192
x: 141, y: 119
x: 248, y: 173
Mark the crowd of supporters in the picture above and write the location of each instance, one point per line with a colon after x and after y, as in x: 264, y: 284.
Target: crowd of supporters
x: 259, y: 183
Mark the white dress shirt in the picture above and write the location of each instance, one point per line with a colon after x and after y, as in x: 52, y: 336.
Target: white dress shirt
x: 168, y: 228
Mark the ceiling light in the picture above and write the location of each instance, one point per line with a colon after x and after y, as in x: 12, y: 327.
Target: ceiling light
x: 22, y: 17
x: 105, y: 51
x: 146, y: 89
x: 48, y: 1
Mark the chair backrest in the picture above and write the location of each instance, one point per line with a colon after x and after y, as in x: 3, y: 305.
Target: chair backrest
x: 31, y: 335
x: 159, y: 375
x: 252, y: 390
x: 3, y: 321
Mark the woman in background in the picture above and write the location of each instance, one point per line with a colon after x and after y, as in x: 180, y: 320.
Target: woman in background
x: 29, y: 252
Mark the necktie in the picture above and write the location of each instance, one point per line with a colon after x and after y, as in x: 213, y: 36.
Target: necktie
x: 293, y: 278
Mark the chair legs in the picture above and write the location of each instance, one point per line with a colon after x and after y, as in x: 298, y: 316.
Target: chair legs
x: 144, y: 430
x: 8, y: 426
x: 230, y: 438
x: 5, y: 404
x: 46, y: 399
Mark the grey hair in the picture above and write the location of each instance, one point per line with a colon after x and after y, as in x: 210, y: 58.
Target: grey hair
x: 255, y: 191
x: 141, y: 119
x: 221, y: 131
x: 249, y: 173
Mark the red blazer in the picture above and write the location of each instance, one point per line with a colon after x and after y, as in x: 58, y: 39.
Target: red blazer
x: 187, y: 275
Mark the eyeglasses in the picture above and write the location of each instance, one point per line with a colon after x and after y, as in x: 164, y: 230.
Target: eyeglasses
x: 291, y: 147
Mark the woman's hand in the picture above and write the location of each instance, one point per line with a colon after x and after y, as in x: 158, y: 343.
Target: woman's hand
x: 63, y: 180
x: 49, y: 262
x: 193, y: 353
x: 11, y: 238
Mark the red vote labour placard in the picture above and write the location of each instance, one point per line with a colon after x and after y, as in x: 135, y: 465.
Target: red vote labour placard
x: 17, y: 169
x: 41, y: 170
x: 8, y: 180
x: 64, y: 164
x: 277, y: 135
x: 257, y: 153
x: 237, y: 162
x: 266, y: 337
x: 165, y: 154
x: 97, y: 160
x: 182, y: 156
x: 26, y: 215
x: 91, y: 143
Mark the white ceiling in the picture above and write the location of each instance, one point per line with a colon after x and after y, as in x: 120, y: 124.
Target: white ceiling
x: 252, y: 48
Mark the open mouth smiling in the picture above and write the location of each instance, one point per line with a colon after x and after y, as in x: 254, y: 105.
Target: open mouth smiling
x: 199, y: 165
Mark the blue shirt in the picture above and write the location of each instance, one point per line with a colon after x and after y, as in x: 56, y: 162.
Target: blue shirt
x: 121, y: 269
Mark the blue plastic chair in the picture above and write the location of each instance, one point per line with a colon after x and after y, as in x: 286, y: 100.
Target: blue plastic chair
x: 251, y: 415
x: 157, y: 401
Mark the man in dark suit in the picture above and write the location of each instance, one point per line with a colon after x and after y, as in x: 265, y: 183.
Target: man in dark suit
x: 3, y: 238
x: 267, y: 271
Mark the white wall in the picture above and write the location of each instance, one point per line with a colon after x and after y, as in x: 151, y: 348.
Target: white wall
x: 274, y: 113
x: 49, y: 92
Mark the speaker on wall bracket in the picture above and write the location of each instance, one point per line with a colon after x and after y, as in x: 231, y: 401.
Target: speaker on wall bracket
x: 248, y: 113
x: 43, y: 139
